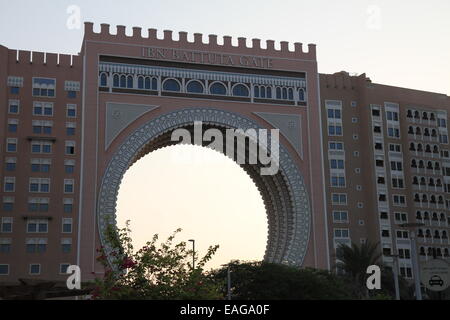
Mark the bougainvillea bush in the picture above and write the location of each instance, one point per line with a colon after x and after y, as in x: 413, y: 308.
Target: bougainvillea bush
x: 158, y: 271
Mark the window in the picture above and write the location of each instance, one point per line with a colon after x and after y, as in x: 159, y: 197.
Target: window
x: 35, y: 269
x: 396, y: 166
x: 385, y: 233
x: 63, y: 268
x: 38, y: 204
x: 336, y: 164
x: 337, y: 180
x: 443, y: 138
x: 399, y: 200
x: 397, y: 183
x: 43, y: 109
x: 404, y: 253
x: 335, y: 130
x: 11, y: 145
x: 400, y: 217
x: 9, y: 184
x: 218, y: 88
x: 240, y: 90
x: 42, y: 127
x: 67, y: 225
x: 376, y: 112
x: 4, y: 269
x: 14, y: 90
x: 340, y: 216
x: 40, y: 165
x: 41, y: 147
x: 355, y: 137
x: 339, y: 198
x: 8, y: 204
x: 442, y: 123
x: 13, y: 107
x: 71, y: 111
x: 37, y: 226
x: 68, y: 185
x: 6, y: 225
x: 334, y: 113
x: 171, y: 85
x: 392, y: 116
x: 393, y: 132
x: 66, y: 245
x: 354, y: 120
x: 44, y: 87
x: 195, y: 86
x: 402, y: 234
x: 71, y: 94
x: 103, y: 80
x: 39, y: 185
x: 68, y: 205
x: 393, y: 147
x: 5, y: 245
x: 341, y: 233
x: 69, y: 166
x: 36, y: 245
x: 12, y: 125
x: 334, y: 145
x: 70, y: 147
x: 10, y: 164
x: 70, y: 128
x: 301, y: 95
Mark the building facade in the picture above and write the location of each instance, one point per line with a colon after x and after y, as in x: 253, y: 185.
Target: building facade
x: 357, y: 159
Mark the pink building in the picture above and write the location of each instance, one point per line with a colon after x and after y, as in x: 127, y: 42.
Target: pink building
x: 74, y: 124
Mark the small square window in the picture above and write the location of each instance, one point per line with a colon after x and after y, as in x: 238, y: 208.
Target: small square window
x: 63, y: 268
x: 35, y: 269
x: 15, y: 90
x: 71, y: 94
x: 4, y: 269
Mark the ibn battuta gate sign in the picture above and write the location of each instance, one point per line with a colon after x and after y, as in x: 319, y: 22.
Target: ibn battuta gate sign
x: 139, y: 90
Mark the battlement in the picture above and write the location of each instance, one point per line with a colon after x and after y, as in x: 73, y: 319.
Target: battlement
x: 342, y: 80
x: 198, y: 43
x: 43, y: 58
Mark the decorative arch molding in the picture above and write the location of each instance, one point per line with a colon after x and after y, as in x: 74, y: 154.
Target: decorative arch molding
x: 285, y: 194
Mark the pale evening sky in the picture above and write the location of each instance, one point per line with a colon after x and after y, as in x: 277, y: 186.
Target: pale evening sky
x: 401, y: 43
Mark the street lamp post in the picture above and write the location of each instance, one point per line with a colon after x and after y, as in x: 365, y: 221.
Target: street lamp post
x: 193, y: 253
x: 411, y: 227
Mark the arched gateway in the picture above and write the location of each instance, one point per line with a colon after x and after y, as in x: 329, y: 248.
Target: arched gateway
x: 284, y: 194
x: 137, y: 91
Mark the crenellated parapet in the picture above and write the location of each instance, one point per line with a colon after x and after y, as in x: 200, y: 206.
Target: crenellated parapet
x: 152, y: 39
x: 43, y: 58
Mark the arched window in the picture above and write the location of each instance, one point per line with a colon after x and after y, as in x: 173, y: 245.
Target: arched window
x: 256, y: 91
x: 141, y: 82
x: 426, y: 132
x: 148, y: 84
x: 419, y: 147
x: 425, y: 116
x: 416, y: 114
x: 410, y: 130
x: 436, y: 234
x: 426, y: 216
x: 444, y: 234
x: 418, y: 215
x: 428, y: 148
x: 421, y: 164
x: 432, y: 118
x: 290, y: 94
x: 171, y: 85
x: 103, y: 80
x: 301, y: 95
x: 263, y: 92
x: 431, y: 182
x: 437, y: 166
x: 428, y: 233
x: 415, y: 180
x: 218, y: 88
x: 123, y: 81
x: 422, y: 251
x: 240, y: 90
x: 435, y: 149
x: 130, y: 82
x: 413, y: 163
x: 433, y: 133
x: 195, y: 86
x: 285, y: 95
x: 154, y: 84
x: 440, y: 200
x: 116, y: 81
x: 409, y: 114
x: 418, y: 131
x: 278, y: 93
x: 422, y: 181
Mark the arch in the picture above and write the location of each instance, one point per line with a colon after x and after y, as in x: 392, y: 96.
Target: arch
x: 140, y: 82
x: 116, y: 80
x: 123, y: 81
x: 285, y: 194
x: 218, y: 88
x: 301, y: 94
x: 148, y: 83
x: 129, y: 82
x: 256, y: 92
x: 103, y: 80
x: 240, y: 90
x: 195, y: 86
x: 171, y: 85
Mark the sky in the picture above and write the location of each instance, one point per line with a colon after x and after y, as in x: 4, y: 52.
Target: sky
x: 401, y: 43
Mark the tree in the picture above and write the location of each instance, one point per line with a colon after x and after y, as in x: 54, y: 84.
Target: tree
x: 163, y: 272
x: 270, y: 281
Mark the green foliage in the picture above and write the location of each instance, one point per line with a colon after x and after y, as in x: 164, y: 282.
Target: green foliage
x: 268, y: 281
x: 157, y: 272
